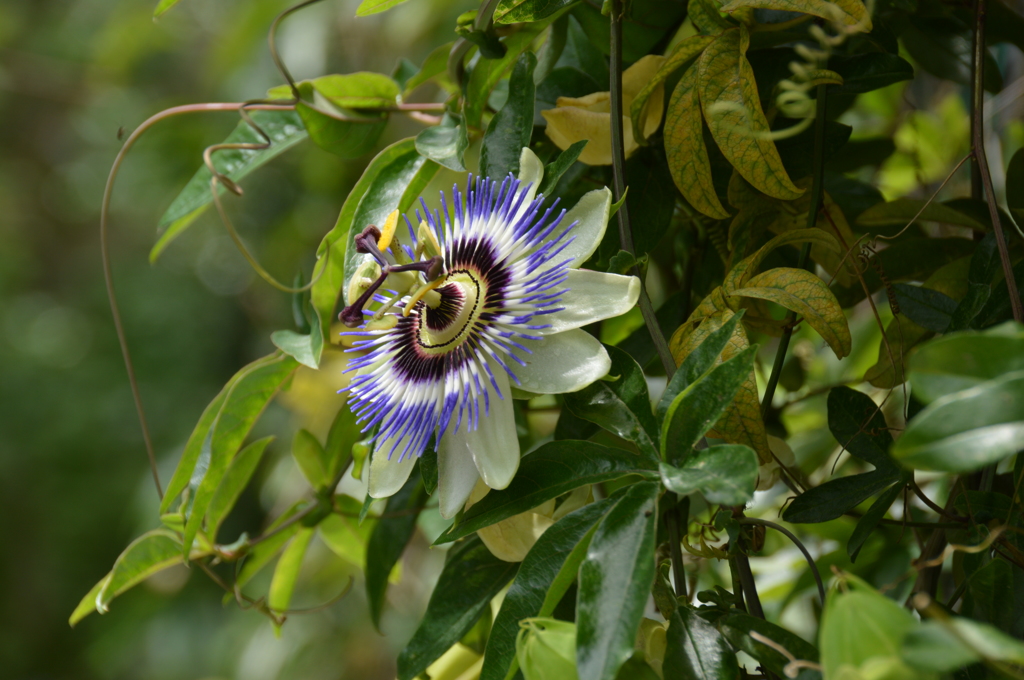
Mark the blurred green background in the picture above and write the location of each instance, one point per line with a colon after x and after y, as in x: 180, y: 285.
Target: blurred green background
x: 74, y: 484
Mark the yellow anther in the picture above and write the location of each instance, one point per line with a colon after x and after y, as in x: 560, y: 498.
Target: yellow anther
x: 420, y: 294
x: 387, y: 232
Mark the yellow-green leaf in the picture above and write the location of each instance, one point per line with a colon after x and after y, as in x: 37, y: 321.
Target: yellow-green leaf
x: 741, y: 273
x: 684, y: 146
x: 831, y: 221
x: 741, y: 423
x: 286, y: 573
x: 845, y: 12
x: 900, y: 336
x: 728, y: 96
x: 706, y: 16
x: 685, y: 51
x: 805, y: 294
x: 822, y: 76
x: 162, y: 7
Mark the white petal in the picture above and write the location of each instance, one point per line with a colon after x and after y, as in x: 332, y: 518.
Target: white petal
x: 388, y: 476
x: 564, y: 362
x: 456, y: 472
x: 531, y: 171
x: 592, y: 296
x: 494, y: 444
x: 591, y: 213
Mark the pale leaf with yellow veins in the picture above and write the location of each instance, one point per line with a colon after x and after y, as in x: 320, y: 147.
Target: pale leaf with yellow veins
x: 728, y: 96
x: 685, y: 51
x: 804, y: 293
x: 844, y: 12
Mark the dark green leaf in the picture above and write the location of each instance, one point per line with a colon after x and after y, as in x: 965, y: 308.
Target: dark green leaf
x: 991, y: 596
x: 697, y: 363
x: 967, y: 430
x: 697, y: 408
x: 651, y: 200
x: 393, y: 179
x: 345, y: 138
x: 556, y: 168
x: 737, y: 627
x: 983, y: 506
x: 969, y: 308
x: 998, y: 307
x: 445, y: 143
x: 942, y: 46
x: 285, y: 130
x: 428, y: 468
x: 869, y: 71
x: 835, y: 497
x: 622, y: 406
x: 471, y: 577
x: 867, y: 523
x: 615, y: 583
x: 553, y: 469
x: 388, y: 541
x: 248, y: 394
x: 856, y: 154
x: 571, y: 426
x: 343, y: 434
x: 511, y: 128
x: 925, y: 307
x: 695, y: 649
x: 797, y: 152
x: 550, y: 556
x: 434, y: 65
x: 858, y: 425
x: 235, y: 480
x: 725, y: 474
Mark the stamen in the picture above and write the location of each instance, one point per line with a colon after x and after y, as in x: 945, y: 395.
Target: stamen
x: 419, y: 294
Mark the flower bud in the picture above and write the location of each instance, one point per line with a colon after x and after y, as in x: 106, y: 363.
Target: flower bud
x: 546, y: 649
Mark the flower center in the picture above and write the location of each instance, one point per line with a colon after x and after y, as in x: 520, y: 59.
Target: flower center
x: 445, y: 326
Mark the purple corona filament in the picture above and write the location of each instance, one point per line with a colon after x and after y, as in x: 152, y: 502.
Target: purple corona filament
x: 501, y: 270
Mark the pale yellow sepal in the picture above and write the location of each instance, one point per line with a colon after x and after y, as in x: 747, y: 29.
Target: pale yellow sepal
x: 578, y: 118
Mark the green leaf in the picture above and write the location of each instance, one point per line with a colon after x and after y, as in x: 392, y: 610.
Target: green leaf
x: 152, y: 552
x: 926, y: 307
x: 368, y: 7
x: 305, y: 349
x: 725, y: 474
x: 966, y: 430
x: 342, y: 436
x: 961, y: 360
x: 235, y: 480
x: 695, y: 649
x: 867, y: 523
x: 699, y: 406
x: 684, y: 52
x: 706, y: 16
x: 163, y: 6
x: 870, y: 71
x: 547, y: 572
x: 343, y: 532
x: 553, y: 469
x: 651, y: 199
x: 445, y: 143
x: 728, y: 97
x: 329, y: 129
x: 941, y: 45
x: 684, y: 146
x: 845, y: 12
x: 859, y: 625
x: 990, y: 595
x: 697, y: 363
x: 310, y: 455
x: 615, y: 582
x: 806, y: 294
x: 511, y: 128
x: 285, y: 130
x: 436, y: 64
x: 622, y: 407
x: 942, y: 646
x: 859, y: 427
x: 525, y: 11
x: 88, y: 603
x: 737, y: 627
x: 286, y: 573
x: 487, y: 72
x: 556, y: 168
x: 362, y: 90
x: 388, y: 540
x: 247, y: 395
x: 393, y: 179
x: 261, y: 554
x: 470, y: 578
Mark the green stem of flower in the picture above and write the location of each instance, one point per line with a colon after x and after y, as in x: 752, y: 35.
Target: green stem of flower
x: 619, y: 187
x: 817, y: 191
